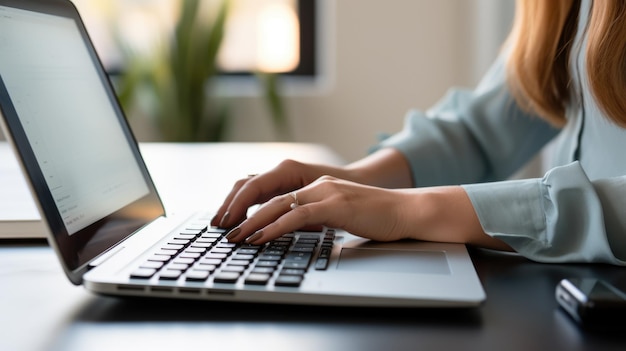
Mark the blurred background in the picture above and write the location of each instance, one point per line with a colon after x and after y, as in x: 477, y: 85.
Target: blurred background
x: 335, y: 72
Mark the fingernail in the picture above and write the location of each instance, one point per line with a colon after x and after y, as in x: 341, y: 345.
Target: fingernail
x: 254, y: 236
x: 224, y: 219
x: 233, y: 233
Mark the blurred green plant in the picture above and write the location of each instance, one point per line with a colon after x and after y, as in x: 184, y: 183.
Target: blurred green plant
x: 174, y: 84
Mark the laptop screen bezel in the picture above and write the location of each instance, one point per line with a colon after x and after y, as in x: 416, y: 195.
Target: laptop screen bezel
x: 76, y: 251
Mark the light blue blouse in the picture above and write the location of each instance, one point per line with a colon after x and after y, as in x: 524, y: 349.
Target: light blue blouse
x: 479, y: 138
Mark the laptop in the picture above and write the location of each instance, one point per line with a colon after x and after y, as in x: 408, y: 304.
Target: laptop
x: 110, y: 229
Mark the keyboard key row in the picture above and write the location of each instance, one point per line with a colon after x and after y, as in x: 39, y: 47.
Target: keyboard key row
x: 199, y: 253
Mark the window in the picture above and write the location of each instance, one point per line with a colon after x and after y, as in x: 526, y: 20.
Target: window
x: 267, y: 35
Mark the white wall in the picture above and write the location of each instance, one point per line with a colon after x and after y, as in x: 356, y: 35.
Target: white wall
x: 385, y: 57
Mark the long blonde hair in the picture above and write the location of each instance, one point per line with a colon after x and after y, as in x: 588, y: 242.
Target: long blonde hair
x: 542, y: 38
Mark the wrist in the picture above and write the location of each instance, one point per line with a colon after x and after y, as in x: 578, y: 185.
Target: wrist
x: 446, y: 214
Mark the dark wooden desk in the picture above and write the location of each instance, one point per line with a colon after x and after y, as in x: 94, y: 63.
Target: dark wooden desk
x: 41, y: 310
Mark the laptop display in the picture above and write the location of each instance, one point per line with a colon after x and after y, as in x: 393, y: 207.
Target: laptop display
x: 54, y: 93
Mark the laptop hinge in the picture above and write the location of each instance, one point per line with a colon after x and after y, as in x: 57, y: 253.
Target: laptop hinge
x: 105, y: 256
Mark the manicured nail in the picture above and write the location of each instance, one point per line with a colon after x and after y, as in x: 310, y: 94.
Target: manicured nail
x: 233, y: 233
x: 224, y: 220
x: 254, y: 236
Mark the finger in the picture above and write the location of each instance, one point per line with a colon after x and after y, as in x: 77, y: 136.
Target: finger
x: 306, y: 208
x: 270, y: 211
x: 258, y: 190
x: 314, y: 214
x: 223, y: 209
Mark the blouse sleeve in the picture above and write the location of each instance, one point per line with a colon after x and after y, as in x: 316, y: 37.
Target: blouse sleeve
x: 479, y: 138
x: 470, y: 135
x: 563, y: 217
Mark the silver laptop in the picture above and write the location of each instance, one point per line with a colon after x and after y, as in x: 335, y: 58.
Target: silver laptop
x: 110, y: 229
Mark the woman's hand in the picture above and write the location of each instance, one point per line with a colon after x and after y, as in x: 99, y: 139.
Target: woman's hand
x: 364, y: 210
x: 443, y: 214
x: 384, y: 168
x: 289, y: 175
x: 356, y: 198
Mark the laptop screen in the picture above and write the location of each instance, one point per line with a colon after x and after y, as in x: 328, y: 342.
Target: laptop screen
x: 59, y: 104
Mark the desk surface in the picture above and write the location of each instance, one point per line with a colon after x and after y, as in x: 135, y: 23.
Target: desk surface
x: 41, y: 310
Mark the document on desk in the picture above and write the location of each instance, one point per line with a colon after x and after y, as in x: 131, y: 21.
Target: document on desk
x: 19, y: 217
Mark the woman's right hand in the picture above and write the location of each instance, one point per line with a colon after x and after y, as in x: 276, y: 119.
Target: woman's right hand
x: 288, y: 176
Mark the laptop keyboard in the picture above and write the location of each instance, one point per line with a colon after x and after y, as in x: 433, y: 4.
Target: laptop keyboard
x: 200, y: 253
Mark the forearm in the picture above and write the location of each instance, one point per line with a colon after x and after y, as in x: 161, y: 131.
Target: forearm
x: 386, y: 168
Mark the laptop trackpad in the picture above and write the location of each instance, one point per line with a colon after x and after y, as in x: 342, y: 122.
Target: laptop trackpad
x: 393, y: 261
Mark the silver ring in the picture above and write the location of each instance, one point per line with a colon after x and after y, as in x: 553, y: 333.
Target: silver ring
x: 295, y: 203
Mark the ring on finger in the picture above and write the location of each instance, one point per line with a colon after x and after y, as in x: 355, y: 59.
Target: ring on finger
x: 295, y: 202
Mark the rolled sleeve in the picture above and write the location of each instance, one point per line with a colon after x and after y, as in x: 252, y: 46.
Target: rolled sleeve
x: 558, y: 218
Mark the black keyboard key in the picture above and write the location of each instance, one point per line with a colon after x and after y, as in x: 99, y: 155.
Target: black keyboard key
x: 257, y: 278
x: 303, y: 257
x: 243, y: 257
x: 152, y: 264
x: 324, y: 252
x: 233, y: 268
x: 274, y: 252
x: 159, y: 258
x: 166, y: 252
x: 266, y: 270
x: 172, y: 247
x: 302, y: 249
x: 292, y: 271
x: 266, y: 264
x: 239, y: 263
x: 212, y: 261
x: 248, y: 251
x: 264, y: 257
x: 185, y: 236
x: 221, y: 250
x: 205, y: 240
x: 199, y: 227
x: 202, y: 245
x: 219, y: 256
x: 288, y: 280
x: 197, y: 275
x: 143, y: 273
x: 211, y: 235
x: 226, y: 277
x: 296, y: 265
x: 178, y: 241
x: 182, y: 260
x: 226, y: 245
x: 177, y: 266
x: 309, y: 237
x: 199, y: 250
x: 283, y: 238
x: 170, y: 274
x: 321, y: 264
x: 193, y: 255
x: 312, y: 242
x: 280, y: 245
x: 205, y: 267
